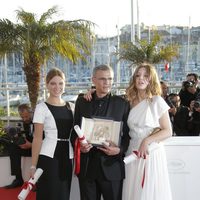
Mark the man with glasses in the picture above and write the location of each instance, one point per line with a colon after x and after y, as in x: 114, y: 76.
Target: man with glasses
x: 101, y: 168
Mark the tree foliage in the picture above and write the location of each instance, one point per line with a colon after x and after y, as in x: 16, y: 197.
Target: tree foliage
x: 39, y: 39
x: 153, y: 52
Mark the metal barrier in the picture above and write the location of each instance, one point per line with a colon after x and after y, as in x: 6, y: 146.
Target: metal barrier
x: 13, y: 95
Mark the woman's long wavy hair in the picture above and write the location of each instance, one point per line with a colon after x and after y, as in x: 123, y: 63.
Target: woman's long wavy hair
x: 152, y: 89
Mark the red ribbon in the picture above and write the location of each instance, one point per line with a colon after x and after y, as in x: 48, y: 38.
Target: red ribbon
x: 143, y: 177
x: 77, y: 154
x: 26, y: 185
x: 82, y: 138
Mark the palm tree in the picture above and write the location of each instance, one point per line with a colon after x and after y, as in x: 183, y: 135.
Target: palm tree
x: 40, y: 40
x: 151, y: 52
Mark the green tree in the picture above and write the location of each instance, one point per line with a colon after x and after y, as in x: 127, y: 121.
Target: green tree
x: 40, y: 40
x: 153, y: 52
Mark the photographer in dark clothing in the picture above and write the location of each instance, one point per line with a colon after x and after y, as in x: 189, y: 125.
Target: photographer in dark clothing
x: 194, y: 123
x: 187, y: 119
x: 21, y: 146
x: 181, y: 121
x: 165, y: 90
x: 173, y: 100
x: 188, y: 93
x: 195, y: 79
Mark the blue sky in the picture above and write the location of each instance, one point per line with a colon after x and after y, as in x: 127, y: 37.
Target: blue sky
x: 108, y: 13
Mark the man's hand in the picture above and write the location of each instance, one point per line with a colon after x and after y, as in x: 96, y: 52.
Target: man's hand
x: 197, y: 109
x: 110, y: 150
x: 88, y: 95
x: 85, y: 148
x: 172, y: 110
x: 27, y: 145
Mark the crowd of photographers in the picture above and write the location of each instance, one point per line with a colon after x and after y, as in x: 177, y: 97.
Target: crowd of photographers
x: 184, y: 107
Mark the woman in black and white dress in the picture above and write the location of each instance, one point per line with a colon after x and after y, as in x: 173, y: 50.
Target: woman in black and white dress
x: 53, y: 121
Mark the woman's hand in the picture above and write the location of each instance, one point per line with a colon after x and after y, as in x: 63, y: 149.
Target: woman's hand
x: 173, y: 110
x: 32, y: 171
x: 143, y: 149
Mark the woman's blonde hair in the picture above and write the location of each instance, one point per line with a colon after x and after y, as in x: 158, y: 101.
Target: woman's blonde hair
x: 152, y: 89
x: 54, y: 72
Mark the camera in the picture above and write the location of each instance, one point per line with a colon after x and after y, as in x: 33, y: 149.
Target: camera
x: 14, y: 135
x: 197, y: 104
x: 187, y: 84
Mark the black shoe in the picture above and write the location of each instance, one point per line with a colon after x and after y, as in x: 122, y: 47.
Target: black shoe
x: 14, y: 184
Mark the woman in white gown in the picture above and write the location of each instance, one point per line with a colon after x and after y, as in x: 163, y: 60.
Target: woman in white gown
x: 147, y: 177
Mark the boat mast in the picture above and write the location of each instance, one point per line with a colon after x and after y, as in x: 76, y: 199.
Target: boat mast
x: 188, y: 49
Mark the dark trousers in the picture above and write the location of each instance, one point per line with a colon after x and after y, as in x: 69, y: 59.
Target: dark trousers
x: 93, y: 189
x: 15, y: 154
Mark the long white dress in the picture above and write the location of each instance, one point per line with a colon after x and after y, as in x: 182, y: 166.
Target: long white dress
x: 146, y: 179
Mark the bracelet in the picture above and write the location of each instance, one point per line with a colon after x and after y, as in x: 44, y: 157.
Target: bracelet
x: 33, y: 167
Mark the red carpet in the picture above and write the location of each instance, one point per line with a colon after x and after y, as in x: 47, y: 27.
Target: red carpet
x: 11, y: 194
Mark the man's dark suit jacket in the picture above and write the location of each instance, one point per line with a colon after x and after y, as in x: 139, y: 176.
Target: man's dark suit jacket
x: 111, y: 166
